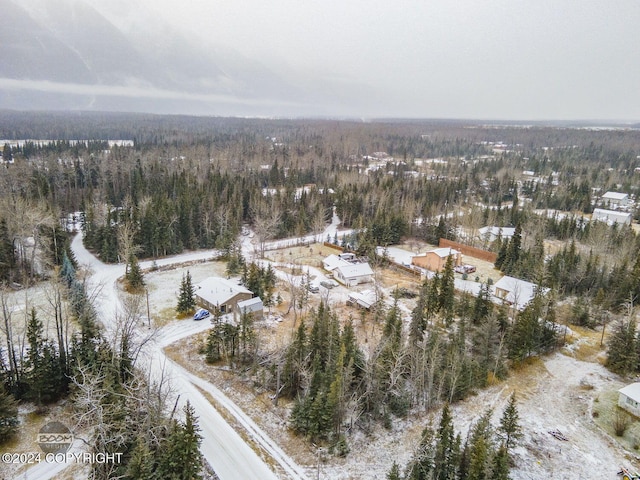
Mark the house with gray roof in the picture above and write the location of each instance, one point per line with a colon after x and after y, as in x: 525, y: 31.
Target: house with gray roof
x: 217, y: 293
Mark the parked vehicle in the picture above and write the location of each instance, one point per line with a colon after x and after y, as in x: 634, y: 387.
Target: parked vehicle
x: 313, y: 288
x: 201, y: 314
x: 464, y: 269
x: 329, y: 284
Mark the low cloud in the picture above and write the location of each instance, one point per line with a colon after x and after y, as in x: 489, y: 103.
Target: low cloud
x: 148, y: 92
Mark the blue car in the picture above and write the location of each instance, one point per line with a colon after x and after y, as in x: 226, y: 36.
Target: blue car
x: 201, y: 314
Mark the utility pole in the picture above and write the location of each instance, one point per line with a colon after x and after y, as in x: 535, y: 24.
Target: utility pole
x: 146, y: 290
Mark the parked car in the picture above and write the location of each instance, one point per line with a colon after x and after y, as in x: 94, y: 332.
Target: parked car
x: 313, y: 288
x: 329, y: 284
x: 201, y: 314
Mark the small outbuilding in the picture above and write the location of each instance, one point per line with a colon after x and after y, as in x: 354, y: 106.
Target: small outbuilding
x: 253, y: 306
x: 629, y: 398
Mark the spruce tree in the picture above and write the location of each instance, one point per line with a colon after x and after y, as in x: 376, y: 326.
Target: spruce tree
x: 186, y: 297
x: 394, y: 472
x: 180, y: 453
x: 447, y: 291
x: 622, y: 356
x: 7, y: 256
x: 8, y: 415
x: 41, y: 363
x: 134, y: 277
x: 447, y: 448
x: 422, y: 465
x: 509, y: 429
x: 480, y: 448
x: 500, y: 465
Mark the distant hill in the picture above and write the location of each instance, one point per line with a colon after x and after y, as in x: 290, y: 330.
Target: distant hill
x: 66, y: 54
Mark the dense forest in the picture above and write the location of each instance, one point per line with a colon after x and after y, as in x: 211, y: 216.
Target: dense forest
x: 184, y: 183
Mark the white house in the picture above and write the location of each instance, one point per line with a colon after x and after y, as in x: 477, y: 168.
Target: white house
x: 353, y: 274
x: 490, y: 234
x: 216, y: 293
x: 629, y: 398
x: 610, y: 216
x: 515, y: 291
x: 615, y: 199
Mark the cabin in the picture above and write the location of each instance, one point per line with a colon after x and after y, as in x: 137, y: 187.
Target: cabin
x: 217, y: 293
x: 435, y: 260
x: 629, y: 398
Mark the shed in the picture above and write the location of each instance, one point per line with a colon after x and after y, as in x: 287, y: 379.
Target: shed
x: 253, y: 306
x: 364, y: 299
x: 629, y: 398
x: 217, y: 293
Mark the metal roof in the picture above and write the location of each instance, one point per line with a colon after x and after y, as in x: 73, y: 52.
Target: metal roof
x: 218, y: 290
x: 632, y: 391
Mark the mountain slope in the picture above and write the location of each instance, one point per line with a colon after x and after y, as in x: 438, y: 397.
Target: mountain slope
x: 139, y: 64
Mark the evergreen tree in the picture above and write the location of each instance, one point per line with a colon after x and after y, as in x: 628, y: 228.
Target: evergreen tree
x: 67, y: 271
x: 186, y: 296
x: 480, y: 448
x: 43, y: 376
x: 134, y: 277
x: 8, y: 415
x: 500, y: 465
x: 447, y: 291
x: 181, y: 458
x: 7, y: 256
x: 394, y: 472
x: 622, y: 354
x: 295, y: 362
x: 510, y: 429
x: 419, y: 316
x: 141, y: 463
x: 482, y: 305
x: 422, y: 465
x: 447, y: 448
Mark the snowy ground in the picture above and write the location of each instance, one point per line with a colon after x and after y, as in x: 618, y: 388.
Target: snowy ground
x: 556, y: 393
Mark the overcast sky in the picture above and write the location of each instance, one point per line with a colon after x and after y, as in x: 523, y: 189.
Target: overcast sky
x: 492, y: 59
x: 537, y: 59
